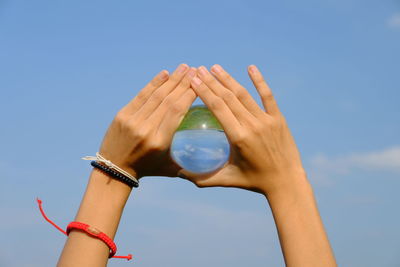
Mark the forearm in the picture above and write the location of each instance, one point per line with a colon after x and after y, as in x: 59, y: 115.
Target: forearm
x: 101, y: 207
x: 301, y: 233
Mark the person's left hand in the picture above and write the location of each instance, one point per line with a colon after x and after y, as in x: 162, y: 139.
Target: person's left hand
x: 140, y: 135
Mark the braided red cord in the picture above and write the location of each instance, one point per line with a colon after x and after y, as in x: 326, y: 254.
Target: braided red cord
x: 128, y: 257
x: 47, y: 219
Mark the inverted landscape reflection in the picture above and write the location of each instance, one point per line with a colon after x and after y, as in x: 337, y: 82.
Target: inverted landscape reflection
x: 200, y: 151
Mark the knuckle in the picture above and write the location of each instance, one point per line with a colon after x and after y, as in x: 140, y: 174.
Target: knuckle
x: 139, y: 133
x: 157, y: 96
x: 269, y: 96
x: 176, y: 108
x: 216, y: 103
x: 226, y: 76
x: 281, y: 120
x: 120, y: 118
x: 155, y: 145
x: 175, y: 78
x: 228, y: 96
x: 270, y: 123
x: 140, y: 97
x: 259, y: 79
x: 240, y: 93
x: 209, y: 79
x: 155, y: 82
x: 239, y: 140
x: 167, y: 101
x: 257, y: 128
x: 212, y: 82
x: 266, y: 94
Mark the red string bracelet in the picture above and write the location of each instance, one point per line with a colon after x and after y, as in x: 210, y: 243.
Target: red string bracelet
x: 95, y: 233
x: 87, y: 229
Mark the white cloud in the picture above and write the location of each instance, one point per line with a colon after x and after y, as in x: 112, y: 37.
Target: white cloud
x: 386, y: 160
x: 394, y: 21
x: 206, y: 153
x: 181, y: 153
x: 214, y: 154
x: 190, y: 147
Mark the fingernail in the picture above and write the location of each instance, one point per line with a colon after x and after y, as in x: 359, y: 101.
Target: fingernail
x: 216, y: 68
x: 163, y: 75
x: 202, y: 70
x: 192, y: 72
x: 253, y: 69
x: 196, y: 81
x: 182, y: 68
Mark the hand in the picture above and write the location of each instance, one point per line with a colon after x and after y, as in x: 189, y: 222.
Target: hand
x: 264, y: 156
x: 139, y: 137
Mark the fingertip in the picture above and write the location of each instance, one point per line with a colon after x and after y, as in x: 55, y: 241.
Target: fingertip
x: 191, y: 73
x: 216, y: 68
x: 253, y: 69
x: 164, y: 74
x: 202, y: 70
x: 182, y: 68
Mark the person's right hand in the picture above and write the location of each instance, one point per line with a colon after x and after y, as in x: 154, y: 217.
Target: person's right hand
x: 264, y: 156
x: 139, y: 137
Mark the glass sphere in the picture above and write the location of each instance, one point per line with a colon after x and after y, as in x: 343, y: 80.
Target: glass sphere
x: 199, y: 144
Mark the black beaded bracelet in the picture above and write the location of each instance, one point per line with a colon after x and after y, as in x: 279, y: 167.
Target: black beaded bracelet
x: 114, y: 174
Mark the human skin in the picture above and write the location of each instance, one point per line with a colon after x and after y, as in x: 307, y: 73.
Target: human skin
x: 276, y: 171
x: 138, y: 140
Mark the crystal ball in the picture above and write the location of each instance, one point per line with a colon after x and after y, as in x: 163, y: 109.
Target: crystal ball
x: 200, y: 145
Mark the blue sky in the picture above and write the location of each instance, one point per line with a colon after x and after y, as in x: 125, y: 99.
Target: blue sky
x: 66, y: 68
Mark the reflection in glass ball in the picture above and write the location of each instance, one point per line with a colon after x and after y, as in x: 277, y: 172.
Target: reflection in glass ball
x: 199, y: 144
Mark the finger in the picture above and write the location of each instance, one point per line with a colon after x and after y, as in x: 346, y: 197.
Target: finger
x: 237, y: 108
x: 159, y: 114
x: 241, y: 93
x: 222, y: 177
x: 145, y: 93
x: 218, y: 107
x: 174, y: 116
x: 264, y: 91
x: 160, y: 93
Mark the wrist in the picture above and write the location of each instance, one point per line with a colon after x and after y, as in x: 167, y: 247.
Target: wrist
x: 120, y: 162
x: 288, y: 185
x: 103, y: 202
x: 103, y: 188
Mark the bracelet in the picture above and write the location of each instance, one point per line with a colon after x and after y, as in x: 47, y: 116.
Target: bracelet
x: 95, y: 233
x: 113, y: 170
x: 90, y: 230
x: 114, y: 174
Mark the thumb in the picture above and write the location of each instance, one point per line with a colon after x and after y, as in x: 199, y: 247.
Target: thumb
x: 182, y: 173
x: 200, y: 180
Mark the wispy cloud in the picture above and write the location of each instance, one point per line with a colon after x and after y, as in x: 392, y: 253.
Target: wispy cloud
x: 394, y: 21
x: 385, y: 160
x: 191, y: 152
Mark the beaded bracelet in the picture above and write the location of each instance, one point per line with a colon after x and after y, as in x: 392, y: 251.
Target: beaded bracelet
x: 113, y: 170
x: 114, y: 174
